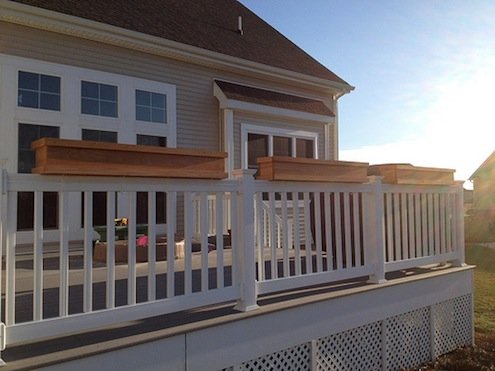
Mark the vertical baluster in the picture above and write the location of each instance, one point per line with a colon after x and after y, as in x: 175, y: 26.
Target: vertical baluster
x: 404, y: 232
x: 131, y: 254
x: 328, y: 231
x: 397, y: 229
x: 234, y: 204
x: 171, y: 214
x: 38, y: 257
x: 389, y: 222
x: 285, y: 235
x: 151, y: 246
x: 297, y: 234
x: 411, y: 230
x: 110, y: 297
x: 317, y: 238
x: 63, y: 222
x: 347, y: 230
x: 443, y: 228
x: 219, y: 228
x: 448, y: 215
x: 88, y: 252
x: 204, y: 240
x: 338, y: 231
x: 417, y: 223
x: 357, y: 228
x: 307, y: 233
x: 272, y: 231
x: 424, y: 224
x: 431, y: 225
x: 436, y: 213
x: 260, y: 230
x: 188, y: 223
x: 10, y: 273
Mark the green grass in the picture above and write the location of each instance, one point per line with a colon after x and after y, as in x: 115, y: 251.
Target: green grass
x: 484, y: 287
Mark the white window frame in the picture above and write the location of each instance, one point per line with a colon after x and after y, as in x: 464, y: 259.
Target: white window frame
x: 271, y: 132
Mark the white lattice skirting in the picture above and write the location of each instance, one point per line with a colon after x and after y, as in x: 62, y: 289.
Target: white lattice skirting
x: 402, y: 341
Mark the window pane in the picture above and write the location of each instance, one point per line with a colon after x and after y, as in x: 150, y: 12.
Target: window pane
x: 50, y: 84
x: 89, y: 106
x: 158, y: 115
x: 158, y: 100
x: 89, y: 89
x: 151, y: 140
x: 28, y: 80
x: 108, y: 136
x: 108, y: 109
x: 49, y: 131
x: 143, y: 98
x: 25, y: 161
x: 143, y: 113
x: 257, y: 147
x: 50, y: 101
x: 304, y: 148
x: 282, y: 146
x: 27, y: 134
x: 108, y: 92
x: 27, y: 99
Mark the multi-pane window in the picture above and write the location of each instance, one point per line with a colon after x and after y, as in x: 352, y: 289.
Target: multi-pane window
x: 38, y: 91
x: 99, y: 99
x: 151, y: 140
x: 26, y: 161
x: 151, y: 107
x: 142, y: 197
x: 261, y: 145
x: 99, y: 135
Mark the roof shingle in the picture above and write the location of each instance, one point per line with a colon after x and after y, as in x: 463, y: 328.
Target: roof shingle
x: 207, y: 24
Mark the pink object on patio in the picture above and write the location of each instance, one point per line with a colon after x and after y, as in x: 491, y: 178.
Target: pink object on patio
x: 142, y: 241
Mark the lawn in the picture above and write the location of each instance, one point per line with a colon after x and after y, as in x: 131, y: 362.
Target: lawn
x: 481, y: 357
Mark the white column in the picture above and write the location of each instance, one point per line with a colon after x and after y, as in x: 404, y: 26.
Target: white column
x: 375, y: 230
x: 459, y: 225
x: 245, y: 264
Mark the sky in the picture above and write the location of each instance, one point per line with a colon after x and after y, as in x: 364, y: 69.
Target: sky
x: 423, y: 72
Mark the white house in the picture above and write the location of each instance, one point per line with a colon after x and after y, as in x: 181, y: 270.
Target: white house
x: 340, y: 274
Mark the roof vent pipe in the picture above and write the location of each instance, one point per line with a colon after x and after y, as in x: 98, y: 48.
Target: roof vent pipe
x: 239, y: 25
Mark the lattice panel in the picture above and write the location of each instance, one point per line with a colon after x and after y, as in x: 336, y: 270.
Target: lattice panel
x: 356, y: 349
x: 453, y: 324
x: 297, y: 358
x: 408, y: 339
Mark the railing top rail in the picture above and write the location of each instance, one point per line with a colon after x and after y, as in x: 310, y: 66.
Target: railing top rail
x: 294, y: 186
x: 54, y: 183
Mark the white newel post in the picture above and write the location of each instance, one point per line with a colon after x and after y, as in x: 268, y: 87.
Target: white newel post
x: 375, y: 230
x: 246, y: 257
x: 3, y: 239
x: 459, y: 225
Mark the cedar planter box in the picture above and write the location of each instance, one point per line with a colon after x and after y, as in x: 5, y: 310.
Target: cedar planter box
x: 311, y: 170
x: 122, y: 249
x: 409, y: 174
x: 121, y: 231
x: 76, y: 157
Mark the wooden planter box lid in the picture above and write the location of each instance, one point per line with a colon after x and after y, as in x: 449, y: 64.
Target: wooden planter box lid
x: 409, y: 174
x: 311, y: 170
x: 77, y: 157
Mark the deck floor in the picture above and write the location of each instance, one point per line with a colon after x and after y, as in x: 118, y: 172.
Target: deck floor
x: 163, y: 325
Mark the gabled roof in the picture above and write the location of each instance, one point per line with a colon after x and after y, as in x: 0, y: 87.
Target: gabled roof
x: 486, y: 169
x: 207, y: 24
x: 273, y: 99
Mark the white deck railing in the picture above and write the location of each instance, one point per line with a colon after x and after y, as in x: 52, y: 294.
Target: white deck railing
x: 326, y: 232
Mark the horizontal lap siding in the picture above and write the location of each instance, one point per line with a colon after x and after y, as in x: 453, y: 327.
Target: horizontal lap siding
x: 197, y: 108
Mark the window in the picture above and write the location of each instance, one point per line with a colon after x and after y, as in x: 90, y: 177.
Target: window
x: 151, y: 140
x: 26, y: 161
x: 151, y: 107
x: 261, y: 142
x: 99, y: 198
x: 99, y: 135
x: 99, y: 99
x: 142, y: 197
x: 38, y: 91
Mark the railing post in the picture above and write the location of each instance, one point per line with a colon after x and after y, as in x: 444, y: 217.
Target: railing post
x: 375, y: 229
x: 245, y: 242
x: 459, y: 225
x: 3, y: 239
